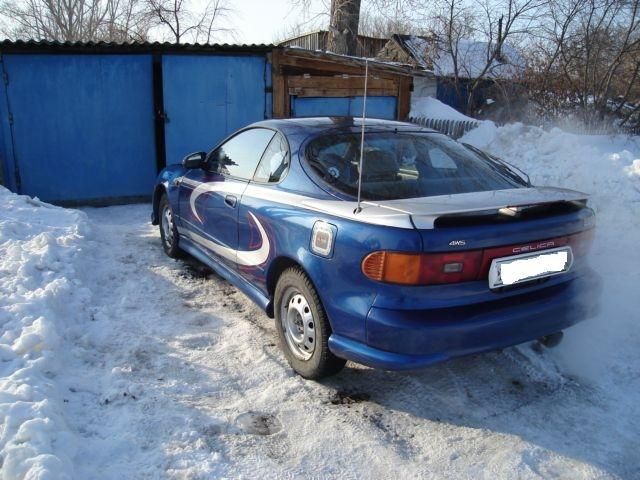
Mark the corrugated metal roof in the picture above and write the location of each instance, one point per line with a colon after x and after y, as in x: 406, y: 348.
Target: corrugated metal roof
x: 39, y: 46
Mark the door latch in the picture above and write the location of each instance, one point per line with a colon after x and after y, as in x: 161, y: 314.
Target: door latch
x: 231, y: 200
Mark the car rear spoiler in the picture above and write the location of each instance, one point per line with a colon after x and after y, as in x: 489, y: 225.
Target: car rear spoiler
x: 422, y: 213
x: 425, y: 211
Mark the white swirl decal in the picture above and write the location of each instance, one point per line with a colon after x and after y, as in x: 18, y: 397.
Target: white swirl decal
x: 249, y: 258
x: 241, y: 257
x: 202, y: 188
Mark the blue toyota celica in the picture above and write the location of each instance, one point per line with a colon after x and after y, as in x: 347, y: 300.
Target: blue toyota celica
x: 450, y: 252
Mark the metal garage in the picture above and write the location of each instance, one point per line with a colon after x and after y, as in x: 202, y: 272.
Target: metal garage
x: 69, y: 133
x: 94, y: 123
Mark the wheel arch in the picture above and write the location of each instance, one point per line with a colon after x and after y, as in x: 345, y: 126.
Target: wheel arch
x: 278, y: 265
x: 157, y: 195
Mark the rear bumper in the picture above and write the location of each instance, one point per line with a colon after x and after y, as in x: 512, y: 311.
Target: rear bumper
x: 412, y: 339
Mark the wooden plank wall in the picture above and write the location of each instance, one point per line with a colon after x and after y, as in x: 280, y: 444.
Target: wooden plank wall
x: 307, y: 74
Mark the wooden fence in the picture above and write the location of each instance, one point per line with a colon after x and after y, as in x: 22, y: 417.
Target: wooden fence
x: 453, y: 128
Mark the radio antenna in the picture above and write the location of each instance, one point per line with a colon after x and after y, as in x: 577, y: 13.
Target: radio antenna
x: 364, y: 116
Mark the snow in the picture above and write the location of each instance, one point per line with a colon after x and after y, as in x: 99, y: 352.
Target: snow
x: 472, y: 56
x: 472, y: 60
x: 607, y: 167
x: 118, y: 362
x: 429, y: 107
x: 633, y: 170
x: 40, y: 293
x: 482, y: 135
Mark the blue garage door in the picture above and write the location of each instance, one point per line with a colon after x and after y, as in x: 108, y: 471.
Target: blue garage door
x: 82, y: 125
x: 206, y: 98
x: 377, y: 107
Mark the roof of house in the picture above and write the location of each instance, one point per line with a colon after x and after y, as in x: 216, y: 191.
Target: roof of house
x: 46, y: 46
x: 431, y: 54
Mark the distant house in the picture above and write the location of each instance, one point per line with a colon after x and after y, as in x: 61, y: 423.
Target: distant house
x: 432, y: 54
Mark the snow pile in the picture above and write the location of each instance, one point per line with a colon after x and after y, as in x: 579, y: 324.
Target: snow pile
x: 607, y: 167
x: 482, y: 135
x: 633, y: 170
x: 429, y: 107
x: 40, y: 296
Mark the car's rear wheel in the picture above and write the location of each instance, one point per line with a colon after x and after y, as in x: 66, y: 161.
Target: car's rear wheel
x: 303, y: 328
x: 168, y: 229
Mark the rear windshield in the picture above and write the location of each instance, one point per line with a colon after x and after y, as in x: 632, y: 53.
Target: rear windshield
x: 405, y: 165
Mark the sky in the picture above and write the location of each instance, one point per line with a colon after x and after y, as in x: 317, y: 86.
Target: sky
x: 263, y: 21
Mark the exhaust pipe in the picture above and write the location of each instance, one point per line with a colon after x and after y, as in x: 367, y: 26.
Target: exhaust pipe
x: 552, y: 340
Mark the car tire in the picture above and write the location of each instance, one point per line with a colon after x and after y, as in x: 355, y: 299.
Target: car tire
x: 302, y: 326
x: 168, y: 230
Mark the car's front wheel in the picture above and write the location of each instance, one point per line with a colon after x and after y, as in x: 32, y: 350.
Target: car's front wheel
x: 168, y: 229
x: 303, y: 327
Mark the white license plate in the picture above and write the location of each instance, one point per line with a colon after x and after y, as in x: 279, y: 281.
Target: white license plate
x: 529, y: 266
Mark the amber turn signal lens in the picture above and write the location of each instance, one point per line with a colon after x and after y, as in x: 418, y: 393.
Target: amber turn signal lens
x: 392, y: 267
x: 373, y: 265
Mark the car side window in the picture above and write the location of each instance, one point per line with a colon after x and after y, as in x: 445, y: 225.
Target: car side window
x: 275, y: 161
x: 239, y: 156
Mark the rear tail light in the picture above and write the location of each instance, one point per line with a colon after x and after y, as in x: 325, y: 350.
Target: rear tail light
x: 422, y: 268
x: 455, y: 267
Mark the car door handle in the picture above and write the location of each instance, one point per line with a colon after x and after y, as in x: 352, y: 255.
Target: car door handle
x: 231, y: 200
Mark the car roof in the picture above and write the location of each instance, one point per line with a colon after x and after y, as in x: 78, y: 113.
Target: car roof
x: 318, y: 124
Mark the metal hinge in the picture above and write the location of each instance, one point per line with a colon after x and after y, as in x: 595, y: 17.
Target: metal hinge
x: 10, y: 118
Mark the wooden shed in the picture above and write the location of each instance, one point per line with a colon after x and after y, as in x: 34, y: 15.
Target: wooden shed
x: 307, y: 83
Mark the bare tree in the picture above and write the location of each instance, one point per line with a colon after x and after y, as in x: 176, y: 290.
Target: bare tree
x: 308, y: 17
x: 74, y: 20
x: 470, y: 39
x: 344, y: 18
x: 343, y: 26
x: 125, y: 20
x: 478, y: 40
x: 179, y: 20
x: 384, y: 22
x: 589, y: 61
x: 452, y: 26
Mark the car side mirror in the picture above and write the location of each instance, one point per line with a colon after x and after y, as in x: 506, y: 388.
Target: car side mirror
x: 194, y: 160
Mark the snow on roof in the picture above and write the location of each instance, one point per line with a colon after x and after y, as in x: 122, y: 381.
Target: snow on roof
x: 434, y: 54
